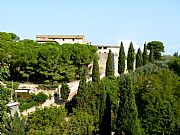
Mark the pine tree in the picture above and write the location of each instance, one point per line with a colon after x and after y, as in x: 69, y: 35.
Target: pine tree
x: 130, y: 57
x: 145, y: 55
x: 109, y: 65
x: 105, y: 115
x: 65, y: 91
x: 121, y: 60
x: 95, y: 70
x: 139, y: 60
x: 151, y: 56
x: 127, y: 117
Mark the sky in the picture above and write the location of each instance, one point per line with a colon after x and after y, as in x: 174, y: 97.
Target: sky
x: 101, y: 21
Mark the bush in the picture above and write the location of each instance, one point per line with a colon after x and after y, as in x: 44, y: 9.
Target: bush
x: 40, y: 97
x: 27, y: 101
x: 47, y: 86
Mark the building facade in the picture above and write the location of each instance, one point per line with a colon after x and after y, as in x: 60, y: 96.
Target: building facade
x: 62, y: 39
x: 106, y: 48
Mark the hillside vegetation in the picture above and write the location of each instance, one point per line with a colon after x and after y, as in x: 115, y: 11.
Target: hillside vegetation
x: 144, y: 101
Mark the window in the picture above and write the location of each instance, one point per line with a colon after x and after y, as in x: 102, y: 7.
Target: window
x: 105, y: 47
x: 73, y: 39
x: 99, y: 47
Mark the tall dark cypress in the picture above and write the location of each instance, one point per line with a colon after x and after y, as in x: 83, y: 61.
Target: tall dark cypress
x: 121, y: 60
x: 65, y: 91
x: 105, y: 116
x: 95, y: 70
x: 151, y: 56
x: 109, y: 65
x: 130, y: 57
x: 81, y: 93
x: 127, y: 122
x: 139, y: 60
x: 145, y: 55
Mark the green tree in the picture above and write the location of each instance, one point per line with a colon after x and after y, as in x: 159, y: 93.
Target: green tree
x: 47, y: 121
x: 121, y: 60
x: 109, y: 65
x: 127, y: 116
x: 176, y: 55
x: 139, y: 60
x: 151, y: 56
x: 95, y: 70
x: 13, y: 125
x: 81, y: 93
x: 157, y: 100
x: 157, y: 47
x: 145, y: 55
x: 81, y: 123
x: 175, y: 65
x: 64, y: 91
x: 130, y: 57
x: 105, y: 115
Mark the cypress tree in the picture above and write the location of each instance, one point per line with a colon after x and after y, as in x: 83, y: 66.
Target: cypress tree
x: 95, y: 70
x: 65, y: 91
x: 127, y: 122
x: 145, y: 55
x: 105, y: 115
x: 81, y: 93
x: 109, y: 64
x: 139, y: 60
x: 151, y: 56
x: 130, y: 57
x: 121, y: 60
x: 101, y: 110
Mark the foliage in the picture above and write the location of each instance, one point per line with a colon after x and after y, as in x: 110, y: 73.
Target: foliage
x: 145, y: 55
x: 53, y: 120
x: 176, y: 54
x: 8, y: 36
x: 30, y: 61
x: 157, y: 47
x: 13, y: 125
x: 14, y: 84
x: 47, y: 86
x: 81, y: 123
x: 65, y: 91
x: 130, y: 57
x: 27, y: 101
x: 109, y: 65
x: 175, y: 65
x: 4, y: 73
x: 47, y: 121
x: 156, y: 98
x: 110, y: 84
x: 127, y: 116
x: 105, y: 115
x: 95, y: 70
x: 121, y: 60
x: 151, y: 56
x: 81, y: 93
x: 139, y: 60
x: 4, y: 98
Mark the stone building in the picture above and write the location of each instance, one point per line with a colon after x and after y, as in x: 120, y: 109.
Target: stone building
x: 62, y: 39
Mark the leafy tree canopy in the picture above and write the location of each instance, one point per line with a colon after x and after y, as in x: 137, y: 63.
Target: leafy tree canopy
x: 157, y: 47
